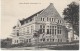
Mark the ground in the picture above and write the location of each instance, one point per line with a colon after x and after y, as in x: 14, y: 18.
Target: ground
x: 49, y: 47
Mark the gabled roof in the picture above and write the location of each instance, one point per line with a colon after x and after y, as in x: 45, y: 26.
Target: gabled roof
x: 50, y: 11
x: 22, y: 21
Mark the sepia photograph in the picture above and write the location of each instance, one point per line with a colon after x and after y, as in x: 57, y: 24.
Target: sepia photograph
x: 39, y: 25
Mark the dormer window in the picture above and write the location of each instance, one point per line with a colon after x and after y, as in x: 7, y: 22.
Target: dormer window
x: 26, y: 21
x: 31, y: 19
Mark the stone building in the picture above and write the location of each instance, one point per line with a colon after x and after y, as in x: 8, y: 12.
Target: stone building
x: 48, y: 21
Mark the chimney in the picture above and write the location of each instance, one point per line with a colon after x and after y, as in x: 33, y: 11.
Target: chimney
x: 51, y: 3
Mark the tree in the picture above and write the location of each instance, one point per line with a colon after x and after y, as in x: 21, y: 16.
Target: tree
x: 5, y: 43
x: 71, y: 15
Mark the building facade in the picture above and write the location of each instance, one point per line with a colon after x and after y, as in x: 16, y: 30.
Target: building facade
x: 48, y: 21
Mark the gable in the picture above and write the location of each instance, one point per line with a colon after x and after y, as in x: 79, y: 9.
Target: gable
x: 50, y: 11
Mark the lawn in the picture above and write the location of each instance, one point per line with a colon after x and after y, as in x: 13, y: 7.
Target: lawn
x: 66, y: 47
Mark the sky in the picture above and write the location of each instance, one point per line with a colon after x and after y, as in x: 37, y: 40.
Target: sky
x: 14, y: 10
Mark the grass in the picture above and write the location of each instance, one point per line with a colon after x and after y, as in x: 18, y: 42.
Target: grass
x: 66, y: 47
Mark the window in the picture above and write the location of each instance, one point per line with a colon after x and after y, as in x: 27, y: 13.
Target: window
x: 47, y: 26
x: 47, y: 19
x: 40, y: 39
x: 27, y: 29
x: 50, y: 26
x: 53, y: 39
x: 40, y: 31
x: 52, y: 31
x: 58, y: 40
x: 43, y: 39
x: 59, y: 30
x: 61, y: 40
x: 43, y: 26
x: 31, y: 19
x: 29, y: 40
x: 17, y: 41
x: 58, y: 21
x: 53, y: 27
x: 41, y: 19
x: 47, y: 39
x: 17, y: 33
x: 43, y: 30
x: 50, y: 19
x: 26, y: 21
x: 40, y: 26
x: 47, y: 31
x: 55, y: 31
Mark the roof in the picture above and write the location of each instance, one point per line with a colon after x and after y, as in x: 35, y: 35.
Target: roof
x: 22, y: 21
x: 50, y: 11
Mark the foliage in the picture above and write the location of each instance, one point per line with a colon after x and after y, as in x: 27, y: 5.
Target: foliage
x: 71, y: 15
x: 5, y: 43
